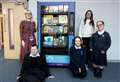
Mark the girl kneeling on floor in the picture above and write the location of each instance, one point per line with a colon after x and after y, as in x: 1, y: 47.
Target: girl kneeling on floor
x: 77, y: 58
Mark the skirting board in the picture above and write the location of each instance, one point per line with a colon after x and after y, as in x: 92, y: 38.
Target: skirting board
x: 114, y: 61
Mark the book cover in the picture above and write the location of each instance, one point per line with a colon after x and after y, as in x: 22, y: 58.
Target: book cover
x: 60, y: 29
x: 55, y: 42
x: 48, y: 19
x: 53, y: 8
x: 45, y: 9
x: 55, y: 20
x: 66, y: 8
x: 46, y: 29
x: 63, y: 19
x: 61, y: 8
x: 48, y: 41
x: 62, y: 41
x: 51, y: 30
x: 65, y: 29
x: 55, y: 29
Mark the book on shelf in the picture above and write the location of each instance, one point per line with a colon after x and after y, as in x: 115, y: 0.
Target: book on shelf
x: 45, y: 9
x: 48, y: 19
x: 65, y: 8
x: 63, y: 19
x: 60, y: 29
x: 52, y: 29
x: 48, y: 41
x: 48, y: 29
x: 53, y: 9
x: 55, y: 42
x: 55, y: 20
x: 62, y: 41
x: 55, y: 29
x: 61, y: 8
x: 65, y: 29
x: 45, y: 29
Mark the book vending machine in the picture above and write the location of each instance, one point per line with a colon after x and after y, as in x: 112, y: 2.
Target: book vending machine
x: 56, y: 23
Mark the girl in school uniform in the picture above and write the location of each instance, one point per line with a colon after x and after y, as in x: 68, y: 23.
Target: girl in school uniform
x: 77, y: 58
x: 99, y: 44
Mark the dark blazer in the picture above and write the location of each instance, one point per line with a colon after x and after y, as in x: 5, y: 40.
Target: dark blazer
x: 100, y: 43
x: 77, y: 57
x: 35, y: 66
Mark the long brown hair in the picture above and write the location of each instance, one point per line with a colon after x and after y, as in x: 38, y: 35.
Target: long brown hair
x: 91, y: 18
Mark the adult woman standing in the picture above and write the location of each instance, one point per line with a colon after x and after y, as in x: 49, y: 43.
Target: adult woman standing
x: 27, y: 36
x: 87, y: 28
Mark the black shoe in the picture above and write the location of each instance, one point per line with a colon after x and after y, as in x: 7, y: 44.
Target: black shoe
x: 75, y: 74
x: 100, y: 73
x: 97, y: 73
x: 83, y: 73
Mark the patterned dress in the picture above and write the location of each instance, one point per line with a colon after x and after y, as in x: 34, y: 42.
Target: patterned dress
x: 27, y: 30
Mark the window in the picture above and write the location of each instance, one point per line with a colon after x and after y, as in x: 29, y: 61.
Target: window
x: 10, y: 28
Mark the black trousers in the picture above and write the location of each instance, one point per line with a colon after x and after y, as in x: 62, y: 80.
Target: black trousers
x: 86, y: 43
x: 32, y: 75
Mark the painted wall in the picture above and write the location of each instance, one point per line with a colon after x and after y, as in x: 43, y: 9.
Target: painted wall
x: 119, y: 29
x: 107, y: 10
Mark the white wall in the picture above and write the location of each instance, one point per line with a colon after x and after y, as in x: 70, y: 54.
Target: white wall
x: 107, y: 10
x: 119, y: 29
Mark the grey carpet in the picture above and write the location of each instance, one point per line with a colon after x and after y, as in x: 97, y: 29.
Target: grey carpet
x: 9, y: 69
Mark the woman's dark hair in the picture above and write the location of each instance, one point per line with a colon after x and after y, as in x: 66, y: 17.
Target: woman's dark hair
x: 80, y: 40
x: 91, y: 18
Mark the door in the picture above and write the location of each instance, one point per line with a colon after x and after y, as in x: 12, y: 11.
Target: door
x: 13, y: 14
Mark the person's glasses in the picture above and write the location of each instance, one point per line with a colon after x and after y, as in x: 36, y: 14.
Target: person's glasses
x: 99, y: 25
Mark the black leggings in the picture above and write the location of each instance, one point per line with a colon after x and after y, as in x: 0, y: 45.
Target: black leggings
x: 86, y: 43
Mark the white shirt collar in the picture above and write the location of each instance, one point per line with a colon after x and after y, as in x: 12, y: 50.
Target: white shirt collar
x: 76, y: 47
x: 37, y: 55
x: 101, y: 32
